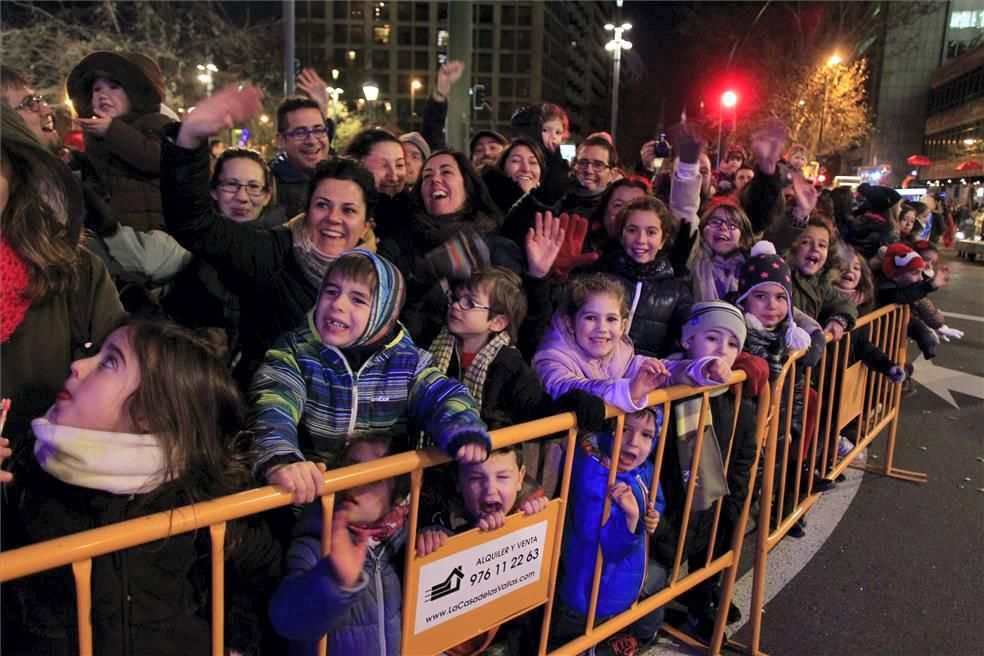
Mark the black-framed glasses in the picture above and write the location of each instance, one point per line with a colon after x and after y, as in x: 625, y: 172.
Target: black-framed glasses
x: 466, y: 303
x: 232, y: 187
x: 717, y: 224
x: 596, y: 165
x: 32, y: 103
x: 300, y: 134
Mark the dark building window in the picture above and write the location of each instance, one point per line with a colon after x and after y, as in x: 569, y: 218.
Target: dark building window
x: 523, y: 64
x: 341, y: 32
x: 357, y: 35
x: 404, y: 11
x: 358, y: 10
x: 339, y: 9
x: 524, y: 15
x: 505, y: 63
x: 421, y: 60
x: 506, y: 87
x: 524, y: 40
x: 421, y: 36
x: 508, y: 15
x: 484, y: 63
x: 380, y: 59
x: 484, y: 39
x: 317, y: 9
x: 405, y: 60
x: 421, y: 11
x: 485, y: 13
x: 404, y: 36
x: 507, y: 39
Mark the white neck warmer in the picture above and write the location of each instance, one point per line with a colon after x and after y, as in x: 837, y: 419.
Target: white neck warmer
x: 119, y: 463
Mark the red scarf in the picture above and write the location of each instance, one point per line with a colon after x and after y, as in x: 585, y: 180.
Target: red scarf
x: 383, y: 529
x: 14, y: 279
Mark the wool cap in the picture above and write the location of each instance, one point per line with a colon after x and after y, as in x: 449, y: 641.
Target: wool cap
x: 387, y: 300
x: 417, y: 140
x: 879, y: 198
x: 715, y: 314
x: 899, y: 258
x: 764, y: 265
x: 736, y: 151
x: 492, y: 134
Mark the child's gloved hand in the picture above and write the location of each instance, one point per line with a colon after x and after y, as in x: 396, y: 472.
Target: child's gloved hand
x: 589, y: 409
x: 897, y: 374
x: 946, y: 333
x: 756, y: 372
x: 534, y: 505
x: 304, y: 479
x: 651, y: 520
x: 430, y: 540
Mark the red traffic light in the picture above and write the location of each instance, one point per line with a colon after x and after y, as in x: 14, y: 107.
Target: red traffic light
x: 729, y: 99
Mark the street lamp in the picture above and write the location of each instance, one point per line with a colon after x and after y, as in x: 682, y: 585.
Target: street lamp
x: 834, y: 60
x: 371, y: 91
x: 616, y: 46
x: 415, y: 86
x: 205, y: 76
x: 729, y: 99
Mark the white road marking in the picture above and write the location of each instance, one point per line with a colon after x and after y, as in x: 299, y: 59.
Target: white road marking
x: 967, y: 317
x: 941, y: 381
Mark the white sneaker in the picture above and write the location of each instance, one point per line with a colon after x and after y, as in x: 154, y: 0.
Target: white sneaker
x: 844, y: 446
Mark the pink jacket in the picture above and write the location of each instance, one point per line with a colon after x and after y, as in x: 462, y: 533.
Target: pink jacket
x: 562, y: 366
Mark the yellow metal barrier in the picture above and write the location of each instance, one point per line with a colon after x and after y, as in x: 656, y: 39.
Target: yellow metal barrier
x: 79, y: 549
x: 846, y: 393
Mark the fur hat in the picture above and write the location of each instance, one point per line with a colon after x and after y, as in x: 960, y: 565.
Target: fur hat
x: 762, y: 267
x: 417, y: 140
x: 138, y: 74
x: 898, y: 259
x: 715, y: 314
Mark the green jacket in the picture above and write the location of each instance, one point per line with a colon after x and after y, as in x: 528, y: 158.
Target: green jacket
x: 815, y: 296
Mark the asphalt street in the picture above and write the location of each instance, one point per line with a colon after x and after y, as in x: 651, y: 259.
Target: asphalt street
x: 890, y: 567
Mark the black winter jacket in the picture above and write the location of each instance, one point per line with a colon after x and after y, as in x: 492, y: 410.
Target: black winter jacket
x: 258, y: 265
x: 151, y: 600
x: 292, y: 186
x: 662, y: 307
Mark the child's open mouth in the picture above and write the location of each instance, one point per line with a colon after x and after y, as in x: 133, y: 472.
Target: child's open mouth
x: 490, y: 507
x: 626, y: 460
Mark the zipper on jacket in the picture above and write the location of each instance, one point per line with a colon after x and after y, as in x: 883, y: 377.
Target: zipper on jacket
x: 380, y: 605
x: 354, y: 411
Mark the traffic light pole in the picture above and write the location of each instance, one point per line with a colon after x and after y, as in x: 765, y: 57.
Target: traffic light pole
x: 460, y: 48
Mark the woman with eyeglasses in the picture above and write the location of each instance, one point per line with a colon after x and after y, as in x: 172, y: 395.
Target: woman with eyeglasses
x: 118, y: 98
x: 277, y: 273
x: 242, y: 188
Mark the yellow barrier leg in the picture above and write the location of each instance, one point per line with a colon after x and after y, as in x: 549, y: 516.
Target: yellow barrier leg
x: 82, y: 571
x: 217, y: 533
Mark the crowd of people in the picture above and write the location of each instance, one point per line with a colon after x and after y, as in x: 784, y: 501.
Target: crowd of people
x: 179, y: 326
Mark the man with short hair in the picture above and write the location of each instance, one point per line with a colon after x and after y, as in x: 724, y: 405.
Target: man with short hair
x: 303, y: 139
x: 485, y: 147
x: 17, y: 92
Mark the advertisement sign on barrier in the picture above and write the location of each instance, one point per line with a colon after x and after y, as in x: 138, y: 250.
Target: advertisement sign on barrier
x: 480, y: 580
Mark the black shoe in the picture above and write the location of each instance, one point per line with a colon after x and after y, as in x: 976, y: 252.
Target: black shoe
x: 734, y: 615
x: 841, y: 478
x: 821, y: 485
x: 796, y: 531
x: 701, y: 627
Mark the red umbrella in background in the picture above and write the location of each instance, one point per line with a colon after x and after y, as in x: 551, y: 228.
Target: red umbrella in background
x: 918, y: 160
x: 970, y: 165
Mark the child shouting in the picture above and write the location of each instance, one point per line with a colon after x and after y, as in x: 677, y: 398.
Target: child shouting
x: 627, y: 572
x: 351, y: 369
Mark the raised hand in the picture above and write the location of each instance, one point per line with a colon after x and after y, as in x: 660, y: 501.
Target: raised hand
x: 688, y: 140
x: 312, y: 84
x: 941, y: 277
x: 470, y: 453
x: 347, y: 555
x: 622, y: 496
x: 543, y: 244
x: 768, y: 144
x: 5, y: 452
x: 835, y: 329
x: 303, y: 478
x: 805, y: 194
x: 97, y: 125
x: 946, y: 333
x: 447, y: 75
x: 570, y: 256
x: 228, y: 106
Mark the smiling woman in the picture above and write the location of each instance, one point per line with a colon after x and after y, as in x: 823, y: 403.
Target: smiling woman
x: 276, y: 272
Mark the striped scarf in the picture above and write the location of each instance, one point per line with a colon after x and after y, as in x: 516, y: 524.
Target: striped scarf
x: 711, y: 481
x: 444, y: 346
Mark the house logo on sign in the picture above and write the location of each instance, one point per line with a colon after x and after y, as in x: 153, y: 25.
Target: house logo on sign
x: 448, y: 586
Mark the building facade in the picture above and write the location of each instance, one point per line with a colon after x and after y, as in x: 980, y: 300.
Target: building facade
x: 522, y: 52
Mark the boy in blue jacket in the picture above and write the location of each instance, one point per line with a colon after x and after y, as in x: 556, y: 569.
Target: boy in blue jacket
x: 627, y: 572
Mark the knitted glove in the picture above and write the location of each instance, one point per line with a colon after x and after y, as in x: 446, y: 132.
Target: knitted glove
x: 897, y: 374
x: 589, y: 409
x: 756, y: 372
x: 818, y: 344
x: 570, y: 257
x: 945, y: 333
x: 460, y: 256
